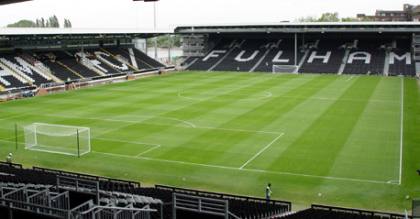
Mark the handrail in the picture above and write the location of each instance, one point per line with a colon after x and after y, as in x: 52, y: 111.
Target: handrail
x: 226, y: 196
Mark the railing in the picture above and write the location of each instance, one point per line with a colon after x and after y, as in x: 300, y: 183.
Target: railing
x: 40, y: 210
x: 85, y: 176
x: 217, y: 207
x: 286, y: 204
x: 14, y: 165
x: 79, y: 184
x: 88, y: 211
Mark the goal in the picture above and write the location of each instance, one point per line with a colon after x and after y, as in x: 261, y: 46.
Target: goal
x: 285, y: 69
x: 60, y: 139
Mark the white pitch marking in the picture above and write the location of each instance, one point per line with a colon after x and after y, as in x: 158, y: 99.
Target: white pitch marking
x: 129, y: 142
x: 401, y: 131
x: 261, y: 151
x: 348, y: 79
x: 13, y: 117
x: 190, y: 124
x: 239, y: 130
x: 265, y: 96
x: 147, y: 151
x: 246, y: 169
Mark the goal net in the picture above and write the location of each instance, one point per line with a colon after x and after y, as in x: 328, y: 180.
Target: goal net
x: 285, y: 68
x: 61, y: 139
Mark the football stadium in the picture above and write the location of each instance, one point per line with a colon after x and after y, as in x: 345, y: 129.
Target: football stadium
x: 293, y: 120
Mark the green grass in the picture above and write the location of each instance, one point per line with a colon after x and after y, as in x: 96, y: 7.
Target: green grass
x: 234, y: 132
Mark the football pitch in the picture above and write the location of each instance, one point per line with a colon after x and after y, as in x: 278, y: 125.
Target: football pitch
x: 351, y: 141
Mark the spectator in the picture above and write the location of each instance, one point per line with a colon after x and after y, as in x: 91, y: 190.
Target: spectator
x: 268, y: 193
x: 9, y: 158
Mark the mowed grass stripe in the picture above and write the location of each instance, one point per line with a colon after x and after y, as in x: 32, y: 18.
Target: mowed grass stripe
x: 374, y: 135
x: 287, y: 185
x: 236, y: 145
x: 295, y: 122
x: 159, y: 129
x: 197, y: 150
x: 314, y: 152
x: 94, y: 96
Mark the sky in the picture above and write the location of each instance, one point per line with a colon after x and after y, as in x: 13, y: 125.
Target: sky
x: 172, y: 13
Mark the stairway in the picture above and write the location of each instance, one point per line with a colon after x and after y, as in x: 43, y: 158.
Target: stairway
x: 120, y: 59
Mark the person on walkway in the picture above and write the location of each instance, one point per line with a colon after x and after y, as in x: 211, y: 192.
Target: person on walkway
x: 268, y: 193
x: 9, y: 158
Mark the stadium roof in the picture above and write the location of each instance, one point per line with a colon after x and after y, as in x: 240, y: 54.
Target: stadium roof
x: 311, y: 27
x: 5, y: 2
x: 55, y: 32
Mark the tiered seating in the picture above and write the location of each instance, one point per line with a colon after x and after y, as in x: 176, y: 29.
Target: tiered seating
x: 124, y: 53
x: 375, y: 50
x: 60, y: 71
x: 244, y: 207
x: 150, y: 61
x: 9, y: 81
x: 27, y: 183
x: 108, y: 60
x: 286, y: 48
x: 122, y: 193
x: 333, y: 52
x: 72, y: 63
x: 401, y: 66
x: 246, y: 57
x: 22, y: 67
x: 326, y: 54
x: 326, y: 212
x: 206, y: 62
x: 95, y: 62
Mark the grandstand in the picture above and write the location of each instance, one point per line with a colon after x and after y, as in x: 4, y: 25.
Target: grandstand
x: 331, y: 126
x: 333, y: 48
x: 28, y: 62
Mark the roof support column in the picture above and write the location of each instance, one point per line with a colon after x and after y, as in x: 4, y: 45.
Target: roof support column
x: 296, y: 49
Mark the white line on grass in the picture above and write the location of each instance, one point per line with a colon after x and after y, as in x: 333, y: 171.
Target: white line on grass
x: 401, y: 131
x: 261, y: 151
x: 147, y: 151
x: 189, y: 124
x: 245, y: 169
x: 266, y: 95
x: 348, y: 79
x: 129, y: 142
x: 239, y: 130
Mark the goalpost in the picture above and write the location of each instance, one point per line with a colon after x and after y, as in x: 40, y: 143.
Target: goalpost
x: 285, y: 69
x: 60, y: 139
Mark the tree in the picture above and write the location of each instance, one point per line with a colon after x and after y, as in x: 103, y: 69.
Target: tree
x: 41, y: 23
x: 349, y: 19
x: 332, y: 17
x: 165, y: 41
x: 67, y: 23
x: 307, y: 19
x: 53, y: 22
x: 23, y: 23
x: 329, y: 17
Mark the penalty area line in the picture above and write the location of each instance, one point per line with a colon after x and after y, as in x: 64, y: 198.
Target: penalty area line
x: 261, y: 151
x: 149, y: 150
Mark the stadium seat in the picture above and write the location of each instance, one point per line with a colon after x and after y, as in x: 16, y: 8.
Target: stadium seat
x: 333, y: 55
